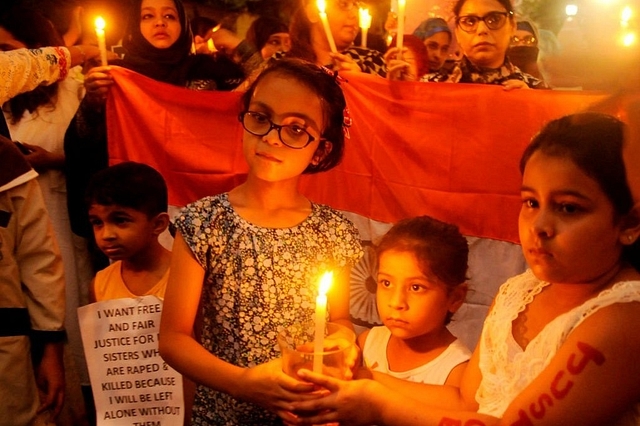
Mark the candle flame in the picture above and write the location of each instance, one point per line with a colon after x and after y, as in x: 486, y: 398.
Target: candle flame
x: 325, y: 283
x: 365, y: 18
x: 211, y: 46
x: 100, y: 24
x: 321, y: 5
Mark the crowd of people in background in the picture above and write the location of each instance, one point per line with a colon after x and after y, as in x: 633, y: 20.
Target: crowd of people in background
x: 79, y: 231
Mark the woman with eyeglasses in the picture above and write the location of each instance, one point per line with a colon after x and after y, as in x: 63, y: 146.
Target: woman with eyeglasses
x: 484, y: 29
x: 249, y: 260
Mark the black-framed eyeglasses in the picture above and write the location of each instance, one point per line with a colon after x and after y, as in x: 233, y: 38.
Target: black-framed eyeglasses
x: 526, y: 40
x: 493, y: 21
x: 292, y: 135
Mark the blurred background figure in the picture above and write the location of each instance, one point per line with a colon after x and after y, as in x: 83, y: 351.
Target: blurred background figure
x: 66, y: 16
x: 39, y: 119
x: 523, y: 51
x: 202, y: 28
x: 414, y: 63
x: 436, y: 36
x: 269, y: 36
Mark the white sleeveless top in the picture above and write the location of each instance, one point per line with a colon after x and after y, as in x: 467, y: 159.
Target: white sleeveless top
x: 434, y: 372
x: 506, y: 368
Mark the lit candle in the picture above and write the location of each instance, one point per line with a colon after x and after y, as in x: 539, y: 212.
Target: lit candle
x: 211, y: 46
x: 365, y: 24
x: 400, y: 33
x: 102, y: 45
x: 321, y: 312
x: 325, y: 24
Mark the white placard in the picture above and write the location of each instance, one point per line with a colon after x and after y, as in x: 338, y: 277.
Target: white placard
x: 131, y: 383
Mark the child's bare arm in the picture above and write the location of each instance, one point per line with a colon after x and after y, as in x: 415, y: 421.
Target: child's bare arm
x: 338, y: 298
x: 594, y: 376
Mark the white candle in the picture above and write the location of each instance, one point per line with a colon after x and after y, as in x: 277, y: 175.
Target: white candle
x: 400, y: 33
x: 365, y: 24
x: 321, y: 313
x: 102, y: 45
x: 325, y: 24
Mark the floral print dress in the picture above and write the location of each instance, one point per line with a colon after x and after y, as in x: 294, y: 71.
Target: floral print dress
x: 257, y: 282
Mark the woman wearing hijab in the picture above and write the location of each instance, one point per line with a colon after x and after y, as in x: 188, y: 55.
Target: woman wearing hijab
x: 157, y: 44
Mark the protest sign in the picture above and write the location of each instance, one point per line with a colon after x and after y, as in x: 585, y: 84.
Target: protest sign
x: 131, y: 383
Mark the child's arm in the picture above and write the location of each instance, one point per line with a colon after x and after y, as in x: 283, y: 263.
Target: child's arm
x: 338, y: 298
x: 592, y: 380
x: 455, y: 375
x: 92, y: 291
x: 265, y: 385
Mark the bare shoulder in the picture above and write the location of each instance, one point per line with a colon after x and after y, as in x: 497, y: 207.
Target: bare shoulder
x: 613, y: 324
x: 362, y: 337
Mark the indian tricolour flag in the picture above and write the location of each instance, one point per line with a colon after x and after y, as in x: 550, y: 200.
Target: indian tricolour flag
x: 450, y: 151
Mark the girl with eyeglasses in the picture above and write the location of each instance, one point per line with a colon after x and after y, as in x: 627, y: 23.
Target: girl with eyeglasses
x: 484, y: 29
x: 248, y: 261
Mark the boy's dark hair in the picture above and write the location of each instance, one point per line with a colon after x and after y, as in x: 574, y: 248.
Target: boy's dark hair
x: 594, y: 143
x: 326, y: 87
x: 129, y: 184
x: 441, y: 250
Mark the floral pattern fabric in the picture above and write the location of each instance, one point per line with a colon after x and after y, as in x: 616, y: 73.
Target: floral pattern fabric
x: 465, y: 72
x: 22, y: 70
x: 257, y: 282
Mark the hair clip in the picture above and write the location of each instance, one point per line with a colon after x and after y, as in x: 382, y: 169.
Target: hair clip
x: 338, y: 79
x: 347, y: 122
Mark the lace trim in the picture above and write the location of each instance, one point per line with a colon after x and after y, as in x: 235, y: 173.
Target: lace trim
x: 506, y: 368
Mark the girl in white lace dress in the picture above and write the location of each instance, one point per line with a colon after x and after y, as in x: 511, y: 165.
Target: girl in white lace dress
x: 251, y: 258
x: 560, y: 345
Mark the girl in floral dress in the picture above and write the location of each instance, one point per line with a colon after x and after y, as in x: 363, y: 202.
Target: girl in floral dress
x: 249, y: 260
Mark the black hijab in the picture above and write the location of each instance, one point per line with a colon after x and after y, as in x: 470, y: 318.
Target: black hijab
x: 175, y: 64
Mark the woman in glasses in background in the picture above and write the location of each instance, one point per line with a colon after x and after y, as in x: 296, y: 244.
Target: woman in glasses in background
x: 484, y: 29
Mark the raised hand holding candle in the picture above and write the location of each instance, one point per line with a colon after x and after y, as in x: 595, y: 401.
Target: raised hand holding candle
x: 365, y: 24
x: 102, y: 45
x: 400, y: 33
x: 325, y: 24
x: 321, y: 313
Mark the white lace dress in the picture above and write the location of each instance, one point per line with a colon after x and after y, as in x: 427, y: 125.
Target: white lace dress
x: 506, y: 368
